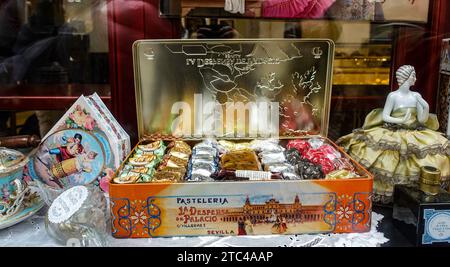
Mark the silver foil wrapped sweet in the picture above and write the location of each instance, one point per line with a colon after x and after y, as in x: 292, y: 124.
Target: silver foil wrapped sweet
x: 203, y: 161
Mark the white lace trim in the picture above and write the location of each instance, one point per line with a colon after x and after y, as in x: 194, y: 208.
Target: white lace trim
x: 32, y: 233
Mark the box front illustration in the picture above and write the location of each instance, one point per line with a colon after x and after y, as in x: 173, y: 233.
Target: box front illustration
x: 243, y: 208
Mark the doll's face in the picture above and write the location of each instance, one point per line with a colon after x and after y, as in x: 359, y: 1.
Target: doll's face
x: 412, y: 78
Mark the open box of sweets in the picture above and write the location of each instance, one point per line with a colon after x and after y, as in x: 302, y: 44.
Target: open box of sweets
x: 233, y: 142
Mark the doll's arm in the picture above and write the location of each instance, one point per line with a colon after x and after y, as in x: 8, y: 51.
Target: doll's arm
x: 388, y: 107
x: 423, y: 109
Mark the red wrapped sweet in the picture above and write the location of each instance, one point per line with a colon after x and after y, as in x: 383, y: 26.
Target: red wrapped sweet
x: 343, y: 164
x: 330, y: 152
x: 319, y: 157
x: 327, y: 166
x: 314, y: 155
x: 301, y: 145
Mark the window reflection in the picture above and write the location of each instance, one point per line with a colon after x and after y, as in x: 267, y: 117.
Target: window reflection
x: 367, y: 10
x: 51, y: 48
x: 55, y: 42
x: 362, y: 62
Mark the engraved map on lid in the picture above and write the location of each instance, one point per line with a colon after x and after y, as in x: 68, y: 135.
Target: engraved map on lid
x: 233, y: 88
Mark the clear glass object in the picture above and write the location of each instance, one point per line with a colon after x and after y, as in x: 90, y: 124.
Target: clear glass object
x: 78, y: 217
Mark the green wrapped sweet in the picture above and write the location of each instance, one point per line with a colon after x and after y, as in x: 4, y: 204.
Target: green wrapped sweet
x: 157, y: 148
x: 145, y: 178
x: 127, y: 178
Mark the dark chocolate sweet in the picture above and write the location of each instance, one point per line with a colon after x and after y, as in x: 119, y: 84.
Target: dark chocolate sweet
x: 308, y: 170
x: 292, y: 156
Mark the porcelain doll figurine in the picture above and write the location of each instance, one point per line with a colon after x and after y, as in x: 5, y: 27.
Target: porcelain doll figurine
x: 396, y: 141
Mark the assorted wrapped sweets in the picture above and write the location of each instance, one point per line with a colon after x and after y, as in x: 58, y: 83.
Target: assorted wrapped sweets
x: 204, y: 161
x: 314, y: 159
x: 154, y: 162
x: 173, y: 167
x: 140, y: 168
x: 212, y: 160
x: 273, y: 158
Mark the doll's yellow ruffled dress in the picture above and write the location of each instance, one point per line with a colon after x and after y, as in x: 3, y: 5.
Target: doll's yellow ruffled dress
x: 394, y: 153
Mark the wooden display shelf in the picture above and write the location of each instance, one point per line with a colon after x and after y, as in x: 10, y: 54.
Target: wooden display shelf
x: 49, y: 96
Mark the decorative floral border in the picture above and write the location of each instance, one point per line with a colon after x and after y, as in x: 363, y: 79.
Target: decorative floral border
x: 138, y: 218
x: 347, y: 213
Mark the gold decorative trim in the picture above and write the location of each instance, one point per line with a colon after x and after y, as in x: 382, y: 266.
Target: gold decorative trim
x: 391, y: 178
x: 410, y: 150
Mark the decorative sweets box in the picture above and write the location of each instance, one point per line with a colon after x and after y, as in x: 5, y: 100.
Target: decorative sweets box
x: 234, y: 92
x: 86, y: 145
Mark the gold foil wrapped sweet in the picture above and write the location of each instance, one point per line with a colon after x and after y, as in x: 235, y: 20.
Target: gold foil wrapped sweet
x: 229, y: 146
x: 180, y: 146
x: 172, y: 161
x: 340, y: 174
x: 180, y: 155
x: 172, y: 169
x: 167, y: 177
x: 244, y: 159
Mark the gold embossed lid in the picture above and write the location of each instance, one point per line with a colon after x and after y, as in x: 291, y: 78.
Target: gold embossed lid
x: 11, y: 160
x: 233, y: 88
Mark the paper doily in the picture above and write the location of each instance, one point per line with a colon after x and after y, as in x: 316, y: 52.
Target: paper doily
x: 32, y: 233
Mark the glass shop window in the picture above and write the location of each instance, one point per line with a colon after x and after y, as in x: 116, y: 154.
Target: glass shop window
x: 364, y: 32
x: 51, y: 51
x: 362, y: 59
